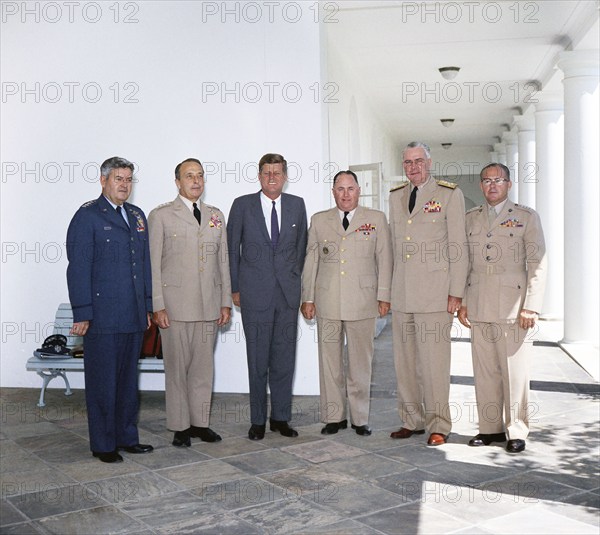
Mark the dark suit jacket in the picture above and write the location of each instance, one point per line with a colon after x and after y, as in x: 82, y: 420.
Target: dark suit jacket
x: 109, y: 276
x: 255, y: 266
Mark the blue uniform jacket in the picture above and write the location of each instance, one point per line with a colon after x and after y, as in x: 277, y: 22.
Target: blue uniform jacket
x: 109, y: 275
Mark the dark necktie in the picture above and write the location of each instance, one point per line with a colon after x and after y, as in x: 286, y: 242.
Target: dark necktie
x: 274, y: 226
x: 412, y: 200
x: 120, y: 212
x: 197, y: 213
x: 345, y: 221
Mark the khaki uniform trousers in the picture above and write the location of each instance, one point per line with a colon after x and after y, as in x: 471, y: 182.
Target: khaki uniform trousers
x: 335, y: 382
x: 188, y: 349
x: 422, y: 361
x: 501, y: 370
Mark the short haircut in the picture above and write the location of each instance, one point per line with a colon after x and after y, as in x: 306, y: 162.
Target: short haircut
x: 348, y: 172
x: 115, y: 163
x: 505, y: 169
x: 419, y: 145
x: 178, y: 168
x: 273, y: 158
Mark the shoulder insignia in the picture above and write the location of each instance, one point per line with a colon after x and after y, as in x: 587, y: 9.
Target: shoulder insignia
x: 212, y: 208
x: 446, y: 184
x: 525, y: 208
x: 169, y: 203
x: 89, y: 203
x: 404, y: 184
x: 475, y: 209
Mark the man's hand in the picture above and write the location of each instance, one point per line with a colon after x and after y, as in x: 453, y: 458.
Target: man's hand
x: 527, y: 319
x: 309, y: 311
x: 384, y: 308
x: 463, y: 317
x: 79, y: 328
x: 225, y: 316
x: 161, y: 319
x: 235, y: 297
x: 454, y: 304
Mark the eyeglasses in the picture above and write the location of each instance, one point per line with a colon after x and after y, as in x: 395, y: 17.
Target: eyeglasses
x: 419, y: 162
x: 490, y: 181
x: 123, y: 179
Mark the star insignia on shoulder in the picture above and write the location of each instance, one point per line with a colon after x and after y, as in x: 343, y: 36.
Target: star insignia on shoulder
x: 403, y: 185
x: 446, y: 184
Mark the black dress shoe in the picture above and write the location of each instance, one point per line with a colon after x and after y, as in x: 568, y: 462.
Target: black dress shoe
x: 363, y: 430
x: 516, y: 445
x: 205, y: 434
x: 181, y: 439
x: 283, y: 428
x: 108, y: 456
x: 333, y: 427
x: 485, y: 439
x: 256, y: 432
x: 137, y: 448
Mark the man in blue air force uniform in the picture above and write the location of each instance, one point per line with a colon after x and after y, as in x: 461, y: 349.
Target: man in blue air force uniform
x: 109, y: 282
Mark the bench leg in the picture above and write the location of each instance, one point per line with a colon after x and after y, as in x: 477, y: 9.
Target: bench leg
x: 47, y: 376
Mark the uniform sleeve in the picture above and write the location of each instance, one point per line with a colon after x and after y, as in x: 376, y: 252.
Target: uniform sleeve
x: 224, y: 268
x: 457, y: 243
x: 537, y: 263
x: 384, y: 259
x: 80, y: 253
x: 311, y: 264
x: 157, y: 236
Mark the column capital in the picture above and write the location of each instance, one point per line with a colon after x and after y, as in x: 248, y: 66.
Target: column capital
x: 524, y: 122
x: 550, y: 101
x: 579, y: 63
x: 509, y: 138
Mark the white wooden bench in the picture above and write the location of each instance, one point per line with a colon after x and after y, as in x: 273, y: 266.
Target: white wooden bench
x: 48, y: 369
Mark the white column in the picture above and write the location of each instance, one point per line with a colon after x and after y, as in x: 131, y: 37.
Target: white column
x: 526, y: 161
x: 582, y: 250
x: 500, y: 149
x: 512, y: 162
x: 493, y: 156
x: 549, y: 159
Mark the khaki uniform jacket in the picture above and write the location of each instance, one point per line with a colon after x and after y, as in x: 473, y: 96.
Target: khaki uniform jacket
x: 430, y: 260
x: 190, y: 265
x: 507, y: 268
x: 346, y: 272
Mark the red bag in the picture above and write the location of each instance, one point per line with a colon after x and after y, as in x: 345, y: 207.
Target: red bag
x: 151, y: 345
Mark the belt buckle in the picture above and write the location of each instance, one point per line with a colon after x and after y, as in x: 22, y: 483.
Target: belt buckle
x: 489, y: 269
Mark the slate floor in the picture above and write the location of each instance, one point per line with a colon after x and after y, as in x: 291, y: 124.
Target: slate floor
x: 341, y: 484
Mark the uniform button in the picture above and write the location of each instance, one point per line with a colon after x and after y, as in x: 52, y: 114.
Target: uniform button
x: 489, y: 234
x: 344, y: 238
x: 409, y: 221
x: 164, y: 284
x: 343, y: 261
x: 407, y: 238
x: 488, y: 246
x: 343, y: 250
x: 433, y: 220
x: 342, y: 273
x: 135, y: 276
x: 488, y: 258
x: 407, y: 256
x: 201, y: 269
x: 132, y: 239
x: 132, y: 251
x: 133, y: 264
x: 107, y: 239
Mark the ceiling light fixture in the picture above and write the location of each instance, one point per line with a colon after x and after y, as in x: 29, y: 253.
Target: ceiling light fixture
x: 447, y: 122
x: 449, y: 73
x: 446, y: 146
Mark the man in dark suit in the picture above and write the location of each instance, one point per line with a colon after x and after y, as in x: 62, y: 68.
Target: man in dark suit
x: 267, y: 233
x: 109, y: 282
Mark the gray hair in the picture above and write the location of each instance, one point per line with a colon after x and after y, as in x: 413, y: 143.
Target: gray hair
x: 419, y: 145
x: 115, y: 163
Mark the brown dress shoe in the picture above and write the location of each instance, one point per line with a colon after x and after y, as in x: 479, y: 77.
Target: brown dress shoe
x: 436, y: 439
x: 407, y: 433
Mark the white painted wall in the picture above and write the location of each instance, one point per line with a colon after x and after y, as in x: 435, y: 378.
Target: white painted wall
x: 145, y: 81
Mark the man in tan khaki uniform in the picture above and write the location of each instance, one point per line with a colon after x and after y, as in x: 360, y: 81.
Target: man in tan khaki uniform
x: 427, y: 220
x: 191, y: 299
x: 346, y: 284
x: 504, y: 295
